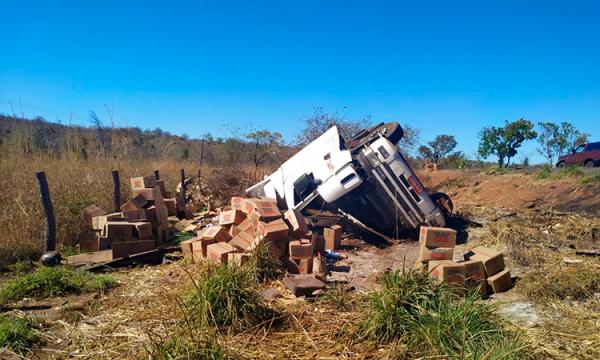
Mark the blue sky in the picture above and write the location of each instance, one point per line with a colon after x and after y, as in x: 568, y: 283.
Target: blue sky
x: 443, y: 67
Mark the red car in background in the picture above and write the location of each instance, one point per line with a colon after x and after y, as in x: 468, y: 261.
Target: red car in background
x: 587, y: 155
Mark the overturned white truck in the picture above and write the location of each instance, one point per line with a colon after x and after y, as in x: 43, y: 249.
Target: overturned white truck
x: 365, y: 177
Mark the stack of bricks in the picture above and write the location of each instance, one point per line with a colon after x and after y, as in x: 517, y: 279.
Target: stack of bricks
x: 248, y: 223
x: 153, y: 192
x: 141, y: 224
x: 116, y: 232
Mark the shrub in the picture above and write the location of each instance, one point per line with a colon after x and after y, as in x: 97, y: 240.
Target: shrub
x: 54, y: 281
x: 228, y: 296
x: 544, y: 173
x: 432, y: 320
x: 17, y: 334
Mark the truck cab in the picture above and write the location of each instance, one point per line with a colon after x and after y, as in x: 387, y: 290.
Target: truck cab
x: 366, y: 177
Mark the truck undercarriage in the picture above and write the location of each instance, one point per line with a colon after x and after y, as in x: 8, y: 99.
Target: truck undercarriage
x: 365, y: 177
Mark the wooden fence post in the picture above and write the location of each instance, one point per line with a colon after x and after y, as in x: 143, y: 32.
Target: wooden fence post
x: 50, y: 228
x: 116, y: 190
x: 183, y: 187
x: 50, y: 256
x: 201, y: 162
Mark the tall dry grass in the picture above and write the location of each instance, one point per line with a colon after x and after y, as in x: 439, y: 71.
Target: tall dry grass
x: 74, y: 184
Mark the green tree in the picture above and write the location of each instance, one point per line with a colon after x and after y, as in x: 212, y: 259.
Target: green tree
x: 441, y: 146
x: 570, y: 138
x: 456, y: 160
x: 425, y: 152
x: 556, y: 140
x: 264, y: 144
x: 503, y: 142
x: 548, y: 139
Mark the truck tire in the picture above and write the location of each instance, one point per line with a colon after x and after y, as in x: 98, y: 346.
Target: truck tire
x: 561, y: 164
x: 392, y: 131
x: 589, y: 163
x: 443, y: 201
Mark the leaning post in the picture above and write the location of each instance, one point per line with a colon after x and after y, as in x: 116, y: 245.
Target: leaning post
x: 183, y: 187
x: 50, y: 257
x: 116, y: 190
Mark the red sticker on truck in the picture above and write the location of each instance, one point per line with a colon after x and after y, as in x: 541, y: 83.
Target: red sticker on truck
x: 414, y: 183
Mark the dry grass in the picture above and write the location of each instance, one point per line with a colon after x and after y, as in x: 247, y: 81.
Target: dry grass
x: 561, y: 282
x: 534, y: 238
x: 571, y: 331
x: 563, y: 286
x: 76, y: 183
x: 307, y: 331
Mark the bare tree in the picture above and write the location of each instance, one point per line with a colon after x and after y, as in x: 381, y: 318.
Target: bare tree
x: 264, y: 144
x: 320, y: 121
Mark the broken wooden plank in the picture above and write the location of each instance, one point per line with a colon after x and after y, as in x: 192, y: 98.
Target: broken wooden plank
x: 87, y: 258
x: 151, y: 256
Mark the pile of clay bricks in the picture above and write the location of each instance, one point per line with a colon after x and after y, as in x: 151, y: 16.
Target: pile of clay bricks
x: 247, y: 223
x: 482, y: 268
x: 140, y: 226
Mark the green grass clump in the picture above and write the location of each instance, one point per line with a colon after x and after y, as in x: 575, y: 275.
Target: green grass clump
x: 265, y: 266
x: 68, y: 250
x: 201, y: 347
x: 591, y: 178
x: 573, y: 282
x: 54, y: 281
x: 432, y: 320
x: 570, y: 172
x: 227, y: 296
x: 17, y: 334
x: 545, y: 173
x: 339, y: 297
x: 182, y: 236
x: 565, y: 173
x: 22, y: 266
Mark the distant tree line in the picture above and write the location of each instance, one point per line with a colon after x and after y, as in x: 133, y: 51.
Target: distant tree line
x: 260, y: 147
x: 37, y: 136
x: 553, y: 140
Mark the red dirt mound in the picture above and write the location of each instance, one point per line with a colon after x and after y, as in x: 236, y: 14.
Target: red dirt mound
x: 515, y: 190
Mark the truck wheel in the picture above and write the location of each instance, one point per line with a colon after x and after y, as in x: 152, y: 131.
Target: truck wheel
x: 443, y: 201
x: 589, y: 163
x: 561, y: 164
x: 392, y: 131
